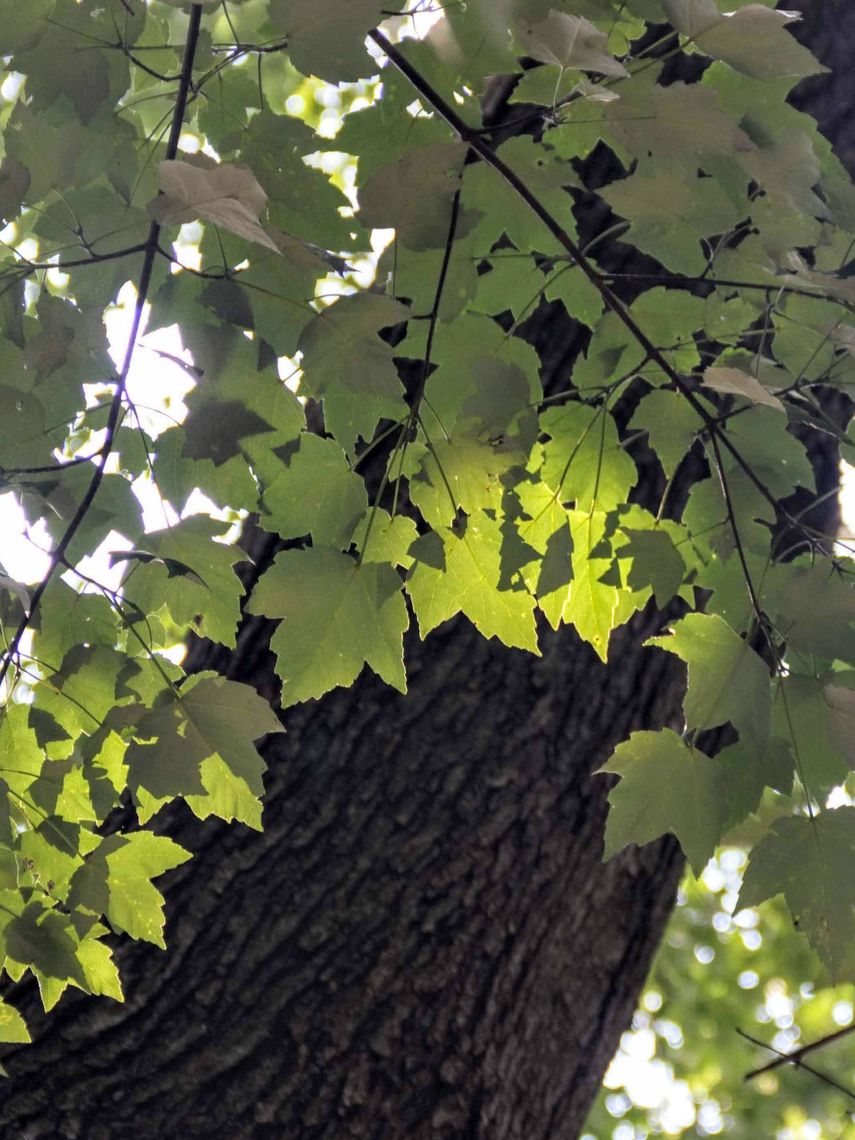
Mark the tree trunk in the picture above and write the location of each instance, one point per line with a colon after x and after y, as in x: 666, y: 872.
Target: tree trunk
x: 423, y: 943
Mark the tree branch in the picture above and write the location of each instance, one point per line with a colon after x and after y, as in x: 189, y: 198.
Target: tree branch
x: 797, y: 1054
x: 24, y: 268
x: 483, y: 149
x: 795, y: 1058
x: 150, y: 252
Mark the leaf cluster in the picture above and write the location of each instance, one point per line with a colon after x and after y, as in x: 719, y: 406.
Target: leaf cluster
x: 396, y: 429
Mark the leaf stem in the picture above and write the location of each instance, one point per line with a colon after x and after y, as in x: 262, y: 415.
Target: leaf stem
x: 485, y: 151
x: 149, y: 253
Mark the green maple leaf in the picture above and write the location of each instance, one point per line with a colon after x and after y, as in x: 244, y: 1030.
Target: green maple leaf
x: 555, y: 578
x: 217, y: 430
x: 727, y: 679
x: 543, y: 171
x: 415, y: 273
x: 595, y: 605
x: 545, y: 527
x: 99, y: 969
x: 317, y: 493
x: 53, y: 850
x: 21, y: 757
x: 816, y: 721
x: 96, y: 962
x: 809, y: 861
x: 569, y: 42
x: 788, y: 169
x: 115, y: 509
x: 23, y: 439
x: 53, y: 68
x: 348, y: 366
x: 691, y: 17
x: 653, y: 563
x: 675, y: 124
x: 748, y: 771
x: 665, y: 786
x: 457, y: 473
x: 198, y: 744
x: 414, y: 194
x: 116, y: 881
x: 207, y: 596
x: 470, y: 583
x: 734, y: 38
x: 239, y: 409
x: 485, y: 383
x: 84, y: 688
x: 813, y: 606
x: 582, y: 300
x: 670, y: 215
x: 479, y: 43
x: 303, y: 203
x: 231, y: 483
x: 41, y: 940
x: 337, y: 616
x: 583, y: 460
x: 379, y: 537
x: 543, y: 513
x: 325, y: 37
x: 13, y: 1028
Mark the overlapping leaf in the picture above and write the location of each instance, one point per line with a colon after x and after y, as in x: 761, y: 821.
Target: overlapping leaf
x: 727, y: 681
x: 467, y: 579
x: 402, y: 430
x: 336, y: 616
x: 198, y: 743
x: 808, y: 860
x: 665, y: 786
x: 228, y: 196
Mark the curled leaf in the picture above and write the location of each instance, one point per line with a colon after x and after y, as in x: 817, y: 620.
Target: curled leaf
x: 227, y: 195
x: 735, y: 382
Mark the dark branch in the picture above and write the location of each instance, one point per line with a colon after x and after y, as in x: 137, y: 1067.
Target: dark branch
x: 797, y: 1054
x: 795, y: 1059
x: 610, y: 299
x: 57, y: 558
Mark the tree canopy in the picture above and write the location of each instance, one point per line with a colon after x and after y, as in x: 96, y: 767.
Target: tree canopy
x: 691, y: 234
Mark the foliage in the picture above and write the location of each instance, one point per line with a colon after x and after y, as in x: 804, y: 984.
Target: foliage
x: 404, y: 439
x: 681, y: 1067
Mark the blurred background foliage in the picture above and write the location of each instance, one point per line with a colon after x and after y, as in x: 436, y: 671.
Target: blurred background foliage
x: 680, y: 1070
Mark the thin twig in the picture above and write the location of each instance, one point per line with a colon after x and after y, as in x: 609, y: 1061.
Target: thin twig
x: 150, y: 252
x: 24, y: 268
x: 437, y: 300
x: 795, y: 1059
x: 414, y: 417
x: 797, y: 1054
x: 740, y: 551
x: 679, y: 280
x: 611, y: 300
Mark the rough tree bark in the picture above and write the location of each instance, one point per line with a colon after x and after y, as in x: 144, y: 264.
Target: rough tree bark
x: 423, y: 943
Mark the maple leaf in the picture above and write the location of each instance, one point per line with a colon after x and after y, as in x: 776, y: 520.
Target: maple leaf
x: 809, y: 861
x: 665, y: 786
x: 735, y: 382
x: 337, y: 615
x: 569, y: 42
x: 227, y: 195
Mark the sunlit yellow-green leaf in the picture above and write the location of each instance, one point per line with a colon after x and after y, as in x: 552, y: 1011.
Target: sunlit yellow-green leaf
x: 336, y: 616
